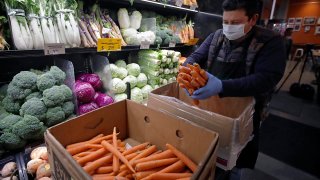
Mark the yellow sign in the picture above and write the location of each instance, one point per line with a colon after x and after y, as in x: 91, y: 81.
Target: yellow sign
x: 108, y: 44
x: 193, y: 41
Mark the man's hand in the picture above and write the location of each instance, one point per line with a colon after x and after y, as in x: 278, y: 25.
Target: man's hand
x: 212, y: 88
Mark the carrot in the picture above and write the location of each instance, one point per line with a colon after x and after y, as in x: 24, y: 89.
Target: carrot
x: 82, y: 154
x: 144, y: 153
x: 129, y: 176
x: 188, y: 162
x: 77, y: 144
x: 115, y: 162
x: 92, y: 156
x: 197, y: 76
x: 114, y: 151
x: 185, y: 76
x: 94, y: 146
x: 154, y: 164
x: 176, y: 167
x: 123, y: 173
x: 108, y: 177
x: 182, y: 86
x: 83, y: 146
x: 193, y: 68
x: 186, y: 178
x: 97, y: 163
x: 131, y: 156
x: 136, y: 148
x: 168, y: 176
x: 104, y: 170
x: 143, y: 174
x: 184, y: 69
x: 204, y: 74
x: 195, y: 84
x: 163, y: 155
x: 121, y: 144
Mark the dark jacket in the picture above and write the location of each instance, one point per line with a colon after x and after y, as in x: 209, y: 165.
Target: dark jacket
x: 266, y: 69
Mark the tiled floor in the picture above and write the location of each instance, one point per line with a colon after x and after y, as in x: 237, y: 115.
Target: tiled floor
x: 294, y: 109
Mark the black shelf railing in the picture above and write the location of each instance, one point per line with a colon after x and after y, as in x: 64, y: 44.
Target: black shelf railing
x: 36, y: 53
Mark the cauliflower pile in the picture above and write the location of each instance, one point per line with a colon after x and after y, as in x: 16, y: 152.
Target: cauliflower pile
x: 30, y: 103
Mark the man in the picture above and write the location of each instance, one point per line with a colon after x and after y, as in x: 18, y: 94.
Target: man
x: 242, y: 60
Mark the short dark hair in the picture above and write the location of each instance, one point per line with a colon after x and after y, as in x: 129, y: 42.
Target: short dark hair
x: 251, y: 7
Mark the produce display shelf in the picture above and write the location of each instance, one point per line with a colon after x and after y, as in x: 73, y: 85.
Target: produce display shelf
x: 153, y: 4
x: 37, y: 53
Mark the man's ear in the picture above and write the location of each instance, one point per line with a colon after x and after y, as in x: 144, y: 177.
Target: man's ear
x: 254, y: 19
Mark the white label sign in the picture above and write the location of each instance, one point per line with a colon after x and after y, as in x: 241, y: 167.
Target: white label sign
x: 172, y: 44
x: 179, y: 3
x: 54, y: 49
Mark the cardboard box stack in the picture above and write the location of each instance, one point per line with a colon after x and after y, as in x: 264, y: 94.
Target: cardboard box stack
x: 230, y: 117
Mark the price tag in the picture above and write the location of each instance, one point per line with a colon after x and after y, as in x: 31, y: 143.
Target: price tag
x: 194, y: 6
x: 54, y: 49
x: 172, y: 44
x: 193, y: 41
x: 179, y: 3
x: 109, y: 44
x: 145, y: 45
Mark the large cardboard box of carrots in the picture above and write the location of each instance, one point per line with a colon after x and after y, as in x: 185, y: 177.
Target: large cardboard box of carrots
x: 147, y: 144
x: 230, y: 117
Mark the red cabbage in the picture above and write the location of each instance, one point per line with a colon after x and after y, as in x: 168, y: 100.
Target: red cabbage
x: 94, y: 80
x: 82, y: 77
x: 102, y: 99
x: 85, y: 108
x: 84, y: 92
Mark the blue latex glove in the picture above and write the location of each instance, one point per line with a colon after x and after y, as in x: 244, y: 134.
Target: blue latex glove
x: 212, y: 88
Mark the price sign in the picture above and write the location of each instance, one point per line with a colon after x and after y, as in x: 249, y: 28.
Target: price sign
x: 193, y: 41
x: 109, y: 44
x: 54, y: 49
x: 179, y: 3
x: 172, y: 44
x: 145, y: 45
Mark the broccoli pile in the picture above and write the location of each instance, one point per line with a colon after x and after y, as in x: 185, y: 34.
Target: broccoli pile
x: 31, y: 102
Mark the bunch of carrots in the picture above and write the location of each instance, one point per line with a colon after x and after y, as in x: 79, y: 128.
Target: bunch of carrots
x: 187, y: 33
x: 105, y: 157
x: 192, y: 78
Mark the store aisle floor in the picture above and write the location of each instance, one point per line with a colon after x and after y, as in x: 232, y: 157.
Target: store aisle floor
x: 300, y: 118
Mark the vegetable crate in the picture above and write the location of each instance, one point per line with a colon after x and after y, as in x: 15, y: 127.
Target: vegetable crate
x: 136, y: 123
x: 230, y: 117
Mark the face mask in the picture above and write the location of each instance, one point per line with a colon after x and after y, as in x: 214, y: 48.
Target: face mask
x: 233, y: 32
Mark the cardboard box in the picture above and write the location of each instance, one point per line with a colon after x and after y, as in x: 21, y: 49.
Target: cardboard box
x: 136, y: 123
x: 230, y: 117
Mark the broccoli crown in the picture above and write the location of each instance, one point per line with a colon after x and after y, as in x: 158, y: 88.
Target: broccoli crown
x: 53, y: 96
x: 68, y: 108
x: 66, y: 92
x: 72, y: 116
x: 158, y: 40
x: 12, y: 141
x: 25, y: 80
x: 34, y: 95
x: 17, y: 93
x: 58, y: 74
x: 162, y: 34
x: 9, y: 121
x: 11, y: 105
x: 34, y: 107
x: 3, y: 112
x: 55, y: 116
x: 176, y: 39
x: 3, y: 91
x: 27, y: 127
x: 40, y: 134
x: 45, y: 81
x: 168, y: 40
